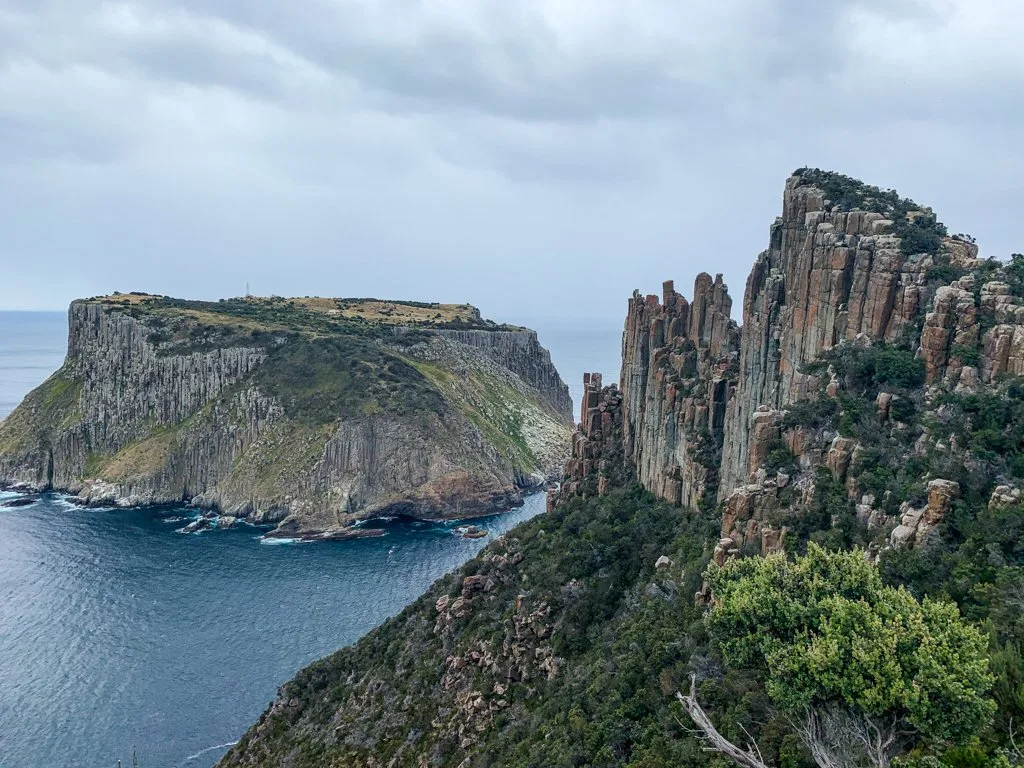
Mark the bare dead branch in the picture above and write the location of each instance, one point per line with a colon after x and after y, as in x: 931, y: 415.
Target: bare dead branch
x: 709, y: 734
x: 1013, y: 742
x: 752, y: 744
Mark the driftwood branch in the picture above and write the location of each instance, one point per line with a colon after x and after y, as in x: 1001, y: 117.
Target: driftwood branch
x: 748, y: 758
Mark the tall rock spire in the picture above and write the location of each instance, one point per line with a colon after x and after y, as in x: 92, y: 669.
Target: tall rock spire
x: 833, y: 271
x: 703, y: 401
x: 676, y: 362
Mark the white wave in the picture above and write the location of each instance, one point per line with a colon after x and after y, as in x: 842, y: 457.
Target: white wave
x: 276, y: 540
x: 202, y: 752
x: 194, y: 532
x: 367, y: 521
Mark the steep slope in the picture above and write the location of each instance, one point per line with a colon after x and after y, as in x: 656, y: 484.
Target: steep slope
x: 311, y: 413
x: 847, y: 264
x: 846, y: 260
x: 873, y: 397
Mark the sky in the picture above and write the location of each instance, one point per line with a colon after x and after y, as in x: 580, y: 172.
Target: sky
x: 537, y: 158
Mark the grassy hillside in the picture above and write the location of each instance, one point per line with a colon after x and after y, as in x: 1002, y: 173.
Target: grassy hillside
x: 182, y: 325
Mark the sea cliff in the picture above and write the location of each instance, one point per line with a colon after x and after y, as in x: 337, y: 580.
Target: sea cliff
x: 309, y: 414
x: 707, y: 408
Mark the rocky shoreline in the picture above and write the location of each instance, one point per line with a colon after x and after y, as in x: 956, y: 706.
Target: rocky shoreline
x: 207, y: 520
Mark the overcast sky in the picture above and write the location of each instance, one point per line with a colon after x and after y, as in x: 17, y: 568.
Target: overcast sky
x: 538, y: 158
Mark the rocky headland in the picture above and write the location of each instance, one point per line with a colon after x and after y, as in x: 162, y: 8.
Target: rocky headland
x: 872, y: 397
x: 306, y: 414
x: 740, y: 420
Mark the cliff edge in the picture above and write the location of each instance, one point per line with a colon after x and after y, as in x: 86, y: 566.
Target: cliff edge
x: 309, y: 414
x: 865, y: 325
x: 873, y: 398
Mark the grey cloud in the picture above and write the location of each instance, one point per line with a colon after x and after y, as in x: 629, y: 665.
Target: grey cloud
x: 515, y: 67
x: 518, y: 155
x: 24, y: 141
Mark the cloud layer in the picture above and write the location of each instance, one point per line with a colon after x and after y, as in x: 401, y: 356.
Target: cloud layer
x: 539, y: 158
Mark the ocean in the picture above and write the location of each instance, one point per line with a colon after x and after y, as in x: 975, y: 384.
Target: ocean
x: 118, y: 634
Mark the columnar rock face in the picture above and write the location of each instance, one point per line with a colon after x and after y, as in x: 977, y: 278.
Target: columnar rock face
x: 704, y: 404
x: 1003, y: 344
x: 597, y: 443
x: 521, y: 352
x: 163, y: 401
x: 678, y: 365
x: 829, y: 275
x: 127, y: 385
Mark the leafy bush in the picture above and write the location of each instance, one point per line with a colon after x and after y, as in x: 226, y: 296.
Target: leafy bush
x: 989, y: 424
x: 814, y: 413
x: 898, y: 367
x: 902, y: 409
x: 779, y: 456
x: 944, y: 273
x: 830, y: 640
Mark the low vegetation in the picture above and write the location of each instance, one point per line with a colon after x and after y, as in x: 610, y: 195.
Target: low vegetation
x: 180, y: 326
x: 52, y: 405
x: 916, y: 226
x: 321, y: 380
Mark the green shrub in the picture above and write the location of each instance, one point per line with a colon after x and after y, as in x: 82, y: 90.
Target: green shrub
x: 779, y: 456
x: 902, y: 409
x: 897, y: 367
x: 826, y: 635
x: 815, y: 413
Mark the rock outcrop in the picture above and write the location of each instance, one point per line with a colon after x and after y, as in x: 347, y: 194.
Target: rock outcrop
x: 916, y: 525
x: 828, y: 276
x: 678, y: 368
x: 597, y: 442
x: 283, y: 412
x: 704, y: 403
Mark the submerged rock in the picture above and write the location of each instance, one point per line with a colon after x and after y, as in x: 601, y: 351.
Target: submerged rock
x: 23, y: 501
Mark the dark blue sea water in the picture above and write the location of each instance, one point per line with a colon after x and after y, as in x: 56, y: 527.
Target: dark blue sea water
x: 115, y: 631
x: 118, y: 633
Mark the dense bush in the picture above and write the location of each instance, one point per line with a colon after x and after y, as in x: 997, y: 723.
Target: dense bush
x: 321, y: 380
x: 917, y: 228
x: 866, y: 370
x: 1012, y: 272
x: 989, y: 424
x: 827, y: 638
x: 779, y: 456
x: 811, y: 414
